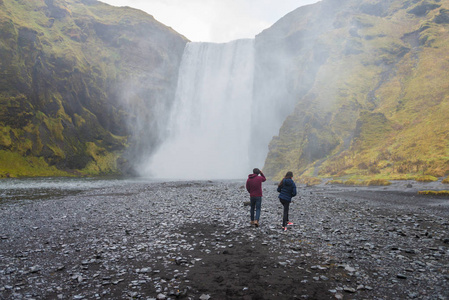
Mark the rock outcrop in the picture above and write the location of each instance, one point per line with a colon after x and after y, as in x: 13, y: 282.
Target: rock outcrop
x: 81, y: 81
x: 362, y: 83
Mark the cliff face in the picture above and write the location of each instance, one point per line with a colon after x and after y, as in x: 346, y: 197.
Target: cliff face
x: 81, y: 82
x: 360, y: 86
x: 364, y: 86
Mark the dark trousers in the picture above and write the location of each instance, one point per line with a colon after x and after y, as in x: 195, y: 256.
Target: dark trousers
x: 286, y: 205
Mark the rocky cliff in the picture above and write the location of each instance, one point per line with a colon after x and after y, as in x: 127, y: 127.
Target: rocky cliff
x: 81, y: 82
x: 364, y: 86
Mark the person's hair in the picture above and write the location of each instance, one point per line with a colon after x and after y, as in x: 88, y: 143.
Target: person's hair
x: 256, y: 171
x: 288, y: 175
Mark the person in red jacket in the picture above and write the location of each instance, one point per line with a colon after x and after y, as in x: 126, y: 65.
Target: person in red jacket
x: 254, y: 188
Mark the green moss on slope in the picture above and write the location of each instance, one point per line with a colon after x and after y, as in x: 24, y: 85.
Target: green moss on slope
x: 13, y: 164
x: 382, y: 93
x: 66, y: 67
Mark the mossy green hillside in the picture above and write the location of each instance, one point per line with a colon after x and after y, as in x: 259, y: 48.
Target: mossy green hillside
x: 77, y: 76
x: 378, y: 104
x: 13, y: 164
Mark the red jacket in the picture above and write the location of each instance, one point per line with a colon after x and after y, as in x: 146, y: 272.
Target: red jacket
x: 254, y: 185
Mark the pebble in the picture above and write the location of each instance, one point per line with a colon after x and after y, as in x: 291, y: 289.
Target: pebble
x: 349, y: 289
x: 126, y: 238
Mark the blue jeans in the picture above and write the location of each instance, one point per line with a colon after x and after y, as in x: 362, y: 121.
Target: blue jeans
x: 286, y: 205
x: 256, y: 203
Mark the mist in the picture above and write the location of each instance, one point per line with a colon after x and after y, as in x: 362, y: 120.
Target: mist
x: 219, y: 127
x: 230, y: 100
x: 209, y: 127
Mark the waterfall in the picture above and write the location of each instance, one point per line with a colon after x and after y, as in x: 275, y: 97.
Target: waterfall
x: 210, y: 125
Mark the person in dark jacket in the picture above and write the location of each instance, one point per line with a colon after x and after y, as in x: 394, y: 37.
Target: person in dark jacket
x: 287, y: 190
x: 254, y: 188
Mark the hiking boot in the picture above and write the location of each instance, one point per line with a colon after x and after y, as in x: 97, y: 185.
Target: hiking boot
x: 289, y: 223
x: 251, y: 223
x: 256, y: 222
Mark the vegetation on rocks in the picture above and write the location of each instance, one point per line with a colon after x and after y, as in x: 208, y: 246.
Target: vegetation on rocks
x: 80, y: 82
x: 434, y: 193
x: 355, y: 182
x: 309, y: 181
x: 426, y: 178
x: 374, y: 99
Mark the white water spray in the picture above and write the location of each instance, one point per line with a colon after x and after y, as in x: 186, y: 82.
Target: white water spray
x: 210, y: 124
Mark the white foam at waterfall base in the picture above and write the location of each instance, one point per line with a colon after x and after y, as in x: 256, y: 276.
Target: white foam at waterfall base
x: 210, y: 124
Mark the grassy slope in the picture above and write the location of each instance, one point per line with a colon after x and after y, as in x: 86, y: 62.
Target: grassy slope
x: 63, y: 66
x: 379, y: 104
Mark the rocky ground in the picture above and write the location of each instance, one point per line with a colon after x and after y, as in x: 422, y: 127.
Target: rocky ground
x: 192, y: 240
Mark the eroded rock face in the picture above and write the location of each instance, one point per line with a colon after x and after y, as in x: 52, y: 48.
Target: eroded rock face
x: 326, y: 65
x: 193, y: 239
x: 79, y: 94
x: 442, y: 17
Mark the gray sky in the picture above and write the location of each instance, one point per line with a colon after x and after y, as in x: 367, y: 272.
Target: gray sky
x: 215, y: 20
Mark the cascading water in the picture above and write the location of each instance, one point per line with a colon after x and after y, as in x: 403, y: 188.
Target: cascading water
x: 209, y: 128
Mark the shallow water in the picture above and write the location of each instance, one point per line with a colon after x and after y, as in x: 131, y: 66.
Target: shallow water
x: 27, y: 189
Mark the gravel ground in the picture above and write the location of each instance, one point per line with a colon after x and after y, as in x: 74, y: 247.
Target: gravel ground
x: 192, y: 240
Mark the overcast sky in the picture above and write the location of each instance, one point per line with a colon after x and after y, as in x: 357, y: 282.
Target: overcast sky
x: 215, y: 20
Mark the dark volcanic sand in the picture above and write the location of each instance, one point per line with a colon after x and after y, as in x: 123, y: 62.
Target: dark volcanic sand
x: 192, y: 240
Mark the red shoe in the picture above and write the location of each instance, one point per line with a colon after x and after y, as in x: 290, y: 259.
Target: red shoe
x: 284, y: 228
x: 289, y: 223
